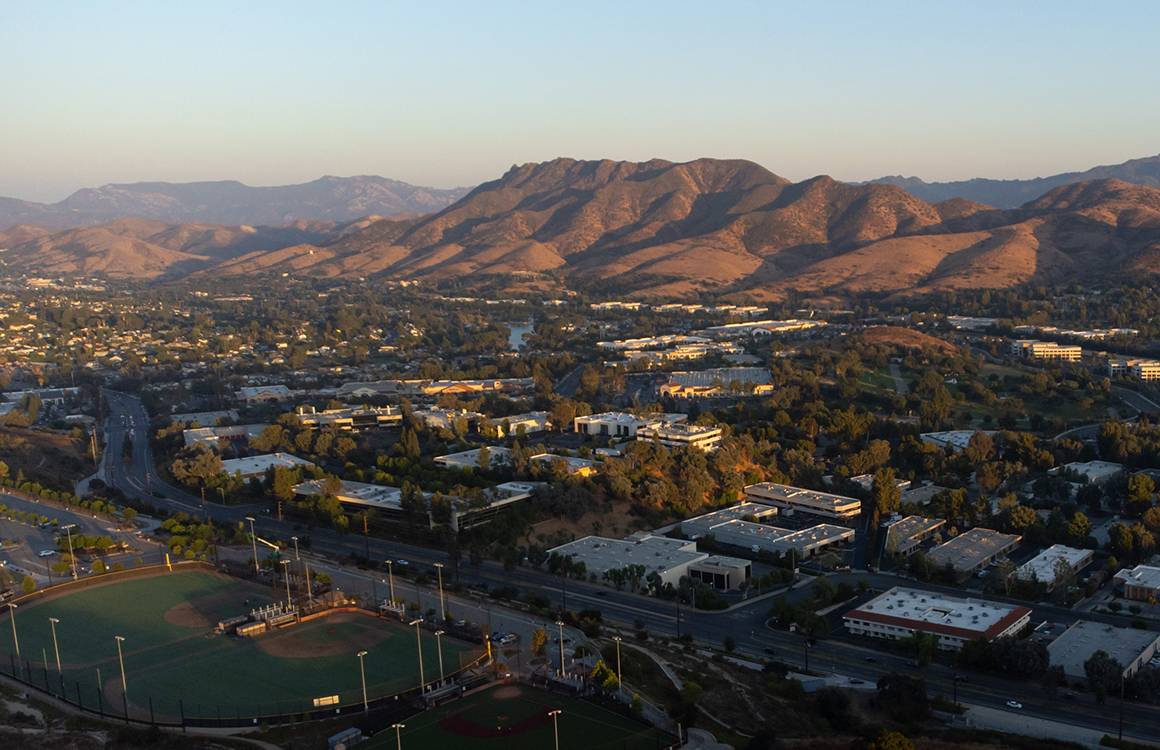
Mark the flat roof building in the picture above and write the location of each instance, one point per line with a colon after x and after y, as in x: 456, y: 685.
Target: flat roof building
x: 904, y: 537
x: 901, y: 611
x: 205, y: 418
x: 721, y: 572
x: 1095, y: 472
x: 532, y: 421
x: 669, y: 558
x: 257, y: 465
x: 735, y: 527
x: 1130, y: 647
x: 793, y: 499
x: 956, y: 439
x: 356, y: 418
x: 974, y: 549
x: 620, y: 424
x: 212, y: 437
x: 497, y: 455
x: 1140, y: 584
x: 1034, y: 348
x: 922, y: 495
x: 260, y: 393
x: 580, y: 467
x: 1042, y: 567
x: 707, y: 439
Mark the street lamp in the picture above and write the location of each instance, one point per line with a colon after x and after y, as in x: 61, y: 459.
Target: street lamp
x: 419, y: 644
x: 15, y: 640
x: 124, y: 685
x: 296, y: 557
x: 253, y: 543
x: 363, y: 671
x: 391, y: 578
x: 72, y: 561
x: 556, y: 725
x: 560, y: 624
x: 286, y: 575
x: 619, y: 684
x: 398, y: 737
x: 309, y: 588
x: 442, y: 604
x: 439, y: 646
x: 55, y: 648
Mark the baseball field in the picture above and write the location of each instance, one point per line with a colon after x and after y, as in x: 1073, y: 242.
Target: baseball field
x: 515, y: 717
x: 175, y: 663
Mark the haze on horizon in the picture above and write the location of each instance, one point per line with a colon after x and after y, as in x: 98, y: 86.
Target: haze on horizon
x: 451, y: 94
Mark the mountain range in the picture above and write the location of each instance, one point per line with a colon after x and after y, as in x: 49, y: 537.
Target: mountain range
x: 337, y: 199
x: 1013, y: 193
x: 657, y: 228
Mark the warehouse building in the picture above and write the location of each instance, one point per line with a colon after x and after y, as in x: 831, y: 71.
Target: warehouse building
x: 901, y: 611
x: 974, y: 549
x: 255, y: 466
x: 669, y: 558
x: 1042, y: 567
x: 1130, y: 647
x: 904, y: 537
x: 795, y: 499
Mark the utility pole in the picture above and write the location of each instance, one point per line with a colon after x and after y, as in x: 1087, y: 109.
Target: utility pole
x: 1121, y: 705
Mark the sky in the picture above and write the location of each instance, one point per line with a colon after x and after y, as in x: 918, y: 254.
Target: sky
x: 450, y: 94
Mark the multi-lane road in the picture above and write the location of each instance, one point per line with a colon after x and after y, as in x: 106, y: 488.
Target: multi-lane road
x: 746, y: 623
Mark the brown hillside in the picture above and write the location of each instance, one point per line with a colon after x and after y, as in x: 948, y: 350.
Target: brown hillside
x: 905, y: 337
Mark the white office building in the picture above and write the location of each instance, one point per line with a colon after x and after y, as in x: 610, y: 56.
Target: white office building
x: 901, y: 611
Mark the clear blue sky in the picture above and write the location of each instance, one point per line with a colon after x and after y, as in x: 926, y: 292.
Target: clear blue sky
x: 454, y: 93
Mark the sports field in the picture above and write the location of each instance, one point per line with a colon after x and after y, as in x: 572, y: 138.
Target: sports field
x: 513, y: 717
x: 171, y: 653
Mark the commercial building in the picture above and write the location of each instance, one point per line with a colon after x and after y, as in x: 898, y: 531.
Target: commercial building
x: 956, y: 439
x: 1042, y: 567
x: 1130, y: 647
x: 920, y: 495
x: 1033, y: 348
x: 212, y: 437
x: 721, y: 572
x: 434, y: 416
x: 679, y: 435
x: 733, y: 382
x: 669, y: 558
x: 744, y: 526
x: 263, y: 393
x: 796, y: 499
x: 901, y: 611
x: 351, y: 419
x: 255, y: 466
x: 621, y: 425
x: 205, y: 418
x: 763, y: 328
x: 1141, y: 583
x: 1144, y: 369
x: 974, y: 549
x: 496, y: 455
x: 1095, y: 472
x: 532, y: 421
x: 580, y: 467
x: 904, y: 537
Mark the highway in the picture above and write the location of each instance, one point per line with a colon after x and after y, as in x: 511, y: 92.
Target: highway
x: 841, y: 654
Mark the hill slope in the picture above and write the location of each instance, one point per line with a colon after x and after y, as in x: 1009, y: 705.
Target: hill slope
x: 338, y: 199
x: 1012, y: 193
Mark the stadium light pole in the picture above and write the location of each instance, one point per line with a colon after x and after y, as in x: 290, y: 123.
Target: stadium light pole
x: 391, y: 578
x: 419, y: 645
x: 442, y: 602
x: 72, y: 560
x: 556, y: 725
x: 15, y: 640
x: 53, y: 621
x: 296, y: 557
x: 439, y: 646
x: 363, y: 671
x: 254, y: 544
x: 398, y: 737
x: 124, y: 685
x: 560, y: 624
x: 619, y: 685
x: 286, y: 575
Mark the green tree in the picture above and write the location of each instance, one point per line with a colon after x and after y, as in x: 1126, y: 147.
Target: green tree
x: 539, y: 643
x: 888, y: 740
x: 28, y: 585
x: 922, y: 644
x: 1103, y: 671
x: 884, y: 491
x: 98, y: 567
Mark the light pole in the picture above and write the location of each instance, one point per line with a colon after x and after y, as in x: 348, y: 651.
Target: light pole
x: 398, y: 737
x: 391, y: 578
x: 363, y: 671
x: 253, y: 543
x: 15, y: 640
x: 124, y: 685
x: 286, y: 575
x: 419, y: 645
x: 560, y: 624
x: 619, y: 684
x: 72, y: 561
x: 556, y: 725
x: 442, y: 603
x: 55, y: 648
x: 439, y: 646
x: 309, y: 588
x: 296, y: 557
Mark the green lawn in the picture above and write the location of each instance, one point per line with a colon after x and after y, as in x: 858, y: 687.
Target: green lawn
x: 582, y: 725
x: 211, y: 674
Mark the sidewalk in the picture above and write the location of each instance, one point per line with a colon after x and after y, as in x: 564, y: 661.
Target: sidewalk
x: 1047, y: 729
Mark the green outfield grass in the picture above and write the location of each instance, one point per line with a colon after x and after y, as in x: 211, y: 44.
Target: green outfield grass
x: 213, y: 675
x: 582, y: 726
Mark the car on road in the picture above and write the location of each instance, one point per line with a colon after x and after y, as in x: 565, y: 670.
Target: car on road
x: 1014, y: 704
x: 46, y: 553
x: 460, y: 623
x: 1069, y: 696
x: 856, y: 681
x: 769, y: 650
x: 870, y: 659
x: 913, y: 663
x: 402, y: 562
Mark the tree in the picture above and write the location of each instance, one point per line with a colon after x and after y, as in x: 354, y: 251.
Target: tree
x: 539, y: 643
x: 28, y: 585
x: 884, y: 491
x: 99, y: 567
x: 331, y: 485
x: 730, y: 644
x: 1140, y: 492
x: 1103, y: 672
x: 888, y: 740
x: 483, y: 460
x: 923, y: 645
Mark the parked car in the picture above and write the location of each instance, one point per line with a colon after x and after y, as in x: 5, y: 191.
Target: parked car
x: 870, y: 659
x: 1014, y: 704
x: 46, y: 553
x: 856, y: 681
